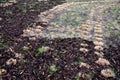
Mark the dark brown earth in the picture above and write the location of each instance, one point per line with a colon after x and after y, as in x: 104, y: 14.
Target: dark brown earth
x: 64, y: 53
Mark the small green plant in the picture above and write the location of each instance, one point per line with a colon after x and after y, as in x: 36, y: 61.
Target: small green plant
x: 77, y: 77
x: 76, y: 63
x: 53, y: 68
x: 90, y: 76
x: 3, y: 45
x: 39, y: 51
x: 21, y: 63
x: 32, y: 5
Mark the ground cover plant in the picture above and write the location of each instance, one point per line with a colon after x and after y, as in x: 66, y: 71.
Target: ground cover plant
x: 26, y: 55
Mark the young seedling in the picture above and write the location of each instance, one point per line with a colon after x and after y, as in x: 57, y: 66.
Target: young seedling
x: 39, y: 51
x: 53, y: 68
x: 90, y: 76
x: 32, y: 5
x: 77, y: 77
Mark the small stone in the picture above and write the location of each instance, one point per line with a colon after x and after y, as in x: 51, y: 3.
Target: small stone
x: 100, y: 54
x: 82, y: 44
x: 83, y: 28
x: 99, y: 39
x: 39, y: 27
x: 26, y: 31
x: 18, y: 55
x: 85, y: 25
x: 11, y: 61
x: 38, y: 31
x: 32, y: 38
x: 97, y: 43
x: 107, y: 73
x: 98, y: 35
x: 2, y: 72
x: 100, y: 48
x: 85, y: 32
x: 98, y: 27
x: 83, y: 50
x: 84, y: 65
x: 25, y: 48
x: 102, y: 61
x: 45, y: 20
x: 98, y: 31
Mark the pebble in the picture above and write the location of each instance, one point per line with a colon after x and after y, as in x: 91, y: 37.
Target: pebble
x: 83, y: 50
x: 102, y: 61
x: 99, y: 35
x: 100, y: 54
x: 98, y: 43
x: 18, y: 55
x: 26, y: 31
x: 25, y: 48
x: 107, y: 73
x: 84, y: 65
x: 32, y: 38
x: 83, y: 44
x: 37, y: 31
x: 98, y: 39
x: 39, y: 27
x: 98, y: 48
x: 98, y: 31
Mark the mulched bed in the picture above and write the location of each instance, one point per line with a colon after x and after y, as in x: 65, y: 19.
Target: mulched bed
x: 64, y: 53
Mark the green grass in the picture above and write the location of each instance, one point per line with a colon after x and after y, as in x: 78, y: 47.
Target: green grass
x: 74, y: 16
x: 113, y: 14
